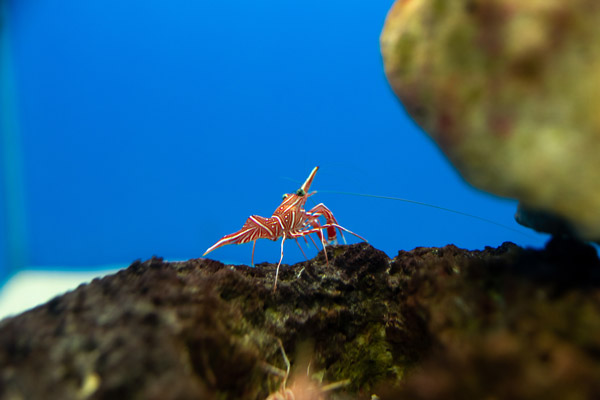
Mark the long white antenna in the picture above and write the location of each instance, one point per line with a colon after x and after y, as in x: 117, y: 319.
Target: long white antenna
x: 420, y: 203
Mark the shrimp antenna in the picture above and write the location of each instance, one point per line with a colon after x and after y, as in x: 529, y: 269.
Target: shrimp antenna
x: 420, y: 203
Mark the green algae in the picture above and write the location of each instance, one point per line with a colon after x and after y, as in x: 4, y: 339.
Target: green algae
x: 366, y: 360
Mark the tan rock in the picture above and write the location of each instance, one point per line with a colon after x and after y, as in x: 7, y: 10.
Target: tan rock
x: 510, y: 91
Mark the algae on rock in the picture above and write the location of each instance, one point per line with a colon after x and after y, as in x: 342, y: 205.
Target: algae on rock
x: 483, y: 323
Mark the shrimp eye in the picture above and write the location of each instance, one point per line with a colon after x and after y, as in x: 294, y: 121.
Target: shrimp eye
x: 285, y: 195
x: 300, y: 192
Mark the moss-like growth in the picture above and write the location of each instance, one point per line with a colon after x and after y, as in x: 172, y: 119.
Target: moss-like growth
x: 433, y: 323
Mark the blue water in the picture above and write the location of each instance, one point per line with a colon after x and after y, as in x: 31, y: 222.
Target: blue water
x: 155, y: 128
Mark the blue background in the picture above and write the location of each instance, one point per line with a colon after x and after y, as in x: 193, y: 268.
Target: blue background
x: 153, y: 127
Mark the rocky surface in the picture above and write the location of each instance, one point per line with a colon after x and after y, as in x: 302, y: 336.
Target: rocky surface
x: 431, y: 323
x: 508, y: 89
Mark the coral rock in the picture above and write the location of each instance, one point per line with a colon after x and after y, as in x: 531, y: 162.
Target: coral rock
x: 431, y: 323
x: 509, y: 91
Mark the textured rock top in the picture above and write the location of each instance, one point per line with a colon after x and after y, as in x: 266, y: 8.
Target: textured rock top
x: 431, y: 323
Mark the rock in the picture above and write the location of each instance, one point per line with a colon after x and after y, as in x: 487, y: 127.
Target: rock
x: 509, y: 91
x: 543, y: 221
x: 520, y: 329
x: 431, y: 323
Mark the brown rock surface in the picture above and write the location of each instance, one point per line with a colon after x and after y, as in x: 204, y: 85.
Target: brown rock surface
x: 430, y: 323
